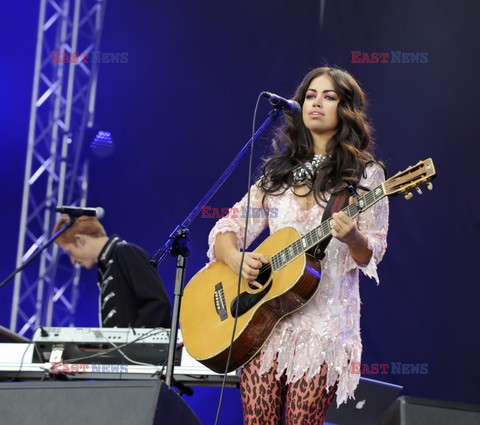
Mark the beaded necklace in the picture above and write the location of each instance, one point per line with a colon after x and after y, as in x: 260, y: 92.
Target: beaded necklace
x: 304, y: 174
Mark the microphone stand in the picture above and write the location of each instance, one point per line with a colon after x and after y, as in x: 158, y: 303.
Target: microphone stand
x: 39, y: 250
x: 178, y: 243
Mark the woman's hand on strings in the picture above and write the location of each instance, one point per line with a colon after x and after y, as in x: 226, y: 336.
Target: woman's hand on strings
x: 252, y: 263
x: 344, y: 229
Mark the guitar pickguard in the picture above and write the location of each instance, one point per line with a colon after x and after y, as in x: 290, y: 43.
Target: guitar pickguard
x: 247, y: 300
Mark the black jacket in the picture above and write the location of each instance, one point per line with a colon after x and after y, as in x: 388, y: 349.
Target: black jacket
x: 131, y: 291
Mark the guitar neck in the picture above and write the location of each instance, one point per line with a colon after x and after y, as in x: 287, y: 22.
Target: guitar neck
x: 323, y: 231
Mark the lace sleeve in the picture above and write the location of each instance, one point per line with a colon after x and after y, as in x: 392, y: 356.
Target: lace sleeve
x: 373, y: 223
x: 235, y: 221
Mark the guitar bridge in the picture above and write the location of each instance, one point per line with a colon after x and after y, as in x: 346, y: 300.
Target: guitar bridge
x: 219, y: 301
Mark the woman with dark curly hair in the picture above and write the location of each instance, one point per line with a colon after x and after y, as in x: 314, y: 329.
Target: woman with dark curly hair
x: 309, y: 355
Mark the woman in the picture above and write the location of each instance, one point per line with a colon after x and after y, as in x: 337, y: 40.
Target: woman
x: 307, y: 358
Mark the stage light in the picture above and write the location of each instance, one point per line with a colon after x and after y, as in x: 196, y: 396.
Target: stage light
x: 102, y: 144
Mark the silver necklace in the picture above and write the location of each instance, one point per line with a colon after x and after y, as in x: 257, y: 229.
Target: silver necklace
x: 304, y: 174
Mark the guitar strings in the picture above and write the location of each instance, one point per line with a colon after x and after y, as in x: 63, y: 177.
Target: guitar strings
x: 231, y: 290
x: 351, y: 210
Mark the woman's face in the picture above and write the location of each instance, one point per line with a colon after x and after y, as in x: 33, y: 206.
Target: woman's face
x: 319, y: 110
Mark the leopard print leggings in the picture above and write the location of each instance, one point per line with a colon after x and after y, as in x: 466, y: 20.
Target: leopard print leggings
x: 264, y: 397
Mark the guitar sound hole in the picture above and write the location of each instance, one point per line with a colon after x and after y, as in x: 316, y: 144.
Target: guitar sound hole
x: 263, y: 277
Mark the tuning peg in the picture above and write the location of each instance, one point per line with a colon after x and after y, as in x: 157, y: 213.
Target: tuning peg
x: 408, y: 196
x: 429, y: 186
x: 419, y: 191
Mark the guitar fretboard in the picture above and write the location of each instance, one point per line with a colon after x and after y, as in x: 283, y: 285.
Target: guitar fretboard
x: 315, y: 236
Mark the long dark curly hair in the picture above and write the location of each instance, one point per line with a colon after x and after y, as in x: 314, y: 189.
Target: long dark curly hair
x: 349, y: 150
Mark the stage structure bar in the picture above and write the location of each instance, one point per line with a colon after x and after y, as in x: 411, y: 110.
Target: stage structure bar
x: 56, y: 167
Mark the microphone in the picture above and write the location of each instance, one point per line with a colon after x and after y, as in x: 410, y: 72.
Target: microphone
x: 98, y: 212
x: 290, y: 106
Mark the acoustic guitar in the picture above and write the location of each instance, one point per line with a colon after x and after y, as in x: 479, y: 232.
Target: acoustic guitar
x: 211, y: 301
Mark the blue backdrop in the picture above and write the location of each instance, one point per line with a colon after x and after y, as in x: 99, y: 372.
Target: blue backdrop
x: 180, y: 109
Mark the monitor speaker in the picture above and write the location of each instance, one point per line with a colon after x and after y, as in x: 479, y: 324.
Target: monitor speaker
x: 145, y: 402
x: 418, y: 411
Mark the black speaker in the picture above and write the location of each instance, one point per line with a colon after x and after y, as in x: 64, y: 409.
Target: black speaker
x: 145, y: 402
x: 418, y: 411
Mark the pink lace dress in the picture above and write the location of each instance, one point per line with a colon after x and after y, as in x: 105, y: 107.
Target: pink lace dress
x: 327, y: 328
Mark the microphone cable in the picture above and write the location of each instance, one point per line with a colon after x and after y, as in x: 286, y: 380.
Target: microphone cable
x: 241, y: 261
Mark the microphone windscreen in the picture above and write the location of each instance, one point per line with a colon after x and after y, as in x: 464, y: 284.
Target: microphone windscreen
x: 99, y: 212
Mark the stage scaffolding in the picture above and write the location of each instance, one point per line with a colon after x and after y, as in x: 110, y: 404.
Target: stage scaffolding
x: 56, y: 169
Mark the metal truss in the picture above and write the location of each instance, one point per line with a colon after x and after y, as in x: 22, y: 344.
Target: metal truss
x: 56, y: 169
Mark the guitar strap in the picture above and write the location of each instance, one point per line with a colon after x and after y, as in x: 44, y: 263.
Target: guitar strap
x: 336, y: 203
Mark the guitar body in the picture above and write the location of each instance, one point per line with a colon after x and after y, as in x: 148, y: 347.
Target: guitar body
x: 210, y: 298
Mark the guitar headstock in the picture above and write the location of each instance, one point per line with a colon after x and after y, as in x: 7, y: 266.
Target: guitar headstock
x: 412, y: 177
